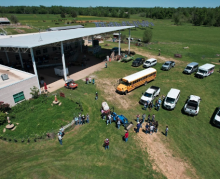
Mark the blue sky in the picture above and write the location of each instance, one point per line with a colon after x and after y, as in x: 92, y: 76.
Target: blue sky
x: 115, y: 3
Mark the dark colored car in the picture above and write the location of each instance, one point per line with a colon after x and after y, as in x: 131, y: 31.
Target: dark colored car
x: 168, y: 65
x: 137, y: 62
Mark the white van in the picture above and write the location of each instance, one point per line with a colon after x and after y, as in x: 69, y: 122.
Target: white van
x: 150, y: 62
x: 171, y: 99
x: 205, y: 70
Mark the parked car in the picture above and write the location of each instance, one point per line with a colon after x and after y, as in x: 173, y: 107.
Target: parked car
x: 168, y: 65
x: 171, y: 99
x: 150, y: 94
x: 150, y: 62
x: 205, y: 70
x: 137, y: 62
x: 216, y: 120
x: 191, y: 68
x: 192, y: 105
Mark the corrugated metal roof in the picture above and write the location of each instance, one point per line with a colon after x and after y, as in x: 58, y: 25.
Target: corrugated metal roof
x: 139, y: 74
x: 65, y: 27
x: 39, y: 39
x: 4, y: 19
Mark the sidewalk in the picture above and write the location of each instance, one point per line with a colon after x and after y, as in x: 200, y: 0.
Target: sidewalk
x: 76, y: 76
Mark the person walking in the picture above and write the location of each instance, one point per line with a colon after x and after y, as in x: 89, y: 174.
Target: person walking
x: 138, y: 127
x: 156, y: 126
x: 166, y: 131
x: 143, y: 117
x: 96, y: 95
x: 153, y: 117
x: 60, y: 139
x: 138, y: 116
x: 126, y: 135
x: 87, y: 118
x: 118, y: 123
x: 106, y: 143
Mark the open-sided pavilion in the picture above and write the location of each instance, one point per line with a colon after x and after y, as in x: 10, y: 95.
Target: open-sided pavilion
x: 23, y: 43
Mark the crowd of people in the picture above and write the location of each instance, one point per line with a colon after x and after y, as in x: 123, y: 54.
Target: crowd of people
x: 90, y: 80
x: 150, y: 105
x: 81, y: 119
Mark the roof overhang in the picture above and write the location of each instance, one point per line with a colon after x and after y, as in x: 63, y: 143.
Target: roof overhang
x: 42, y: 39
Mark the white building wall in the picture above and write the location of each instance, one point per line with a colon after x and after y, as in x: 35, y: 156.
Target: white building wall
x: 6, y: 93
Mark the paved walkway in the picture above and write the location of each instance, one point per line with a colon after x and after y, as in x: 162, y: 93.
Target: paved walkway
x: 76, y: 76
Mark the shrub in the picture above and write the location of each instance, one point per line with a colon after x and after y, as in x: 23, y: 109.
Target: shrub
x: 3, y: 118
x: 4, y: 107
x: 14, y: 19
x: 147, y: 36
x: 34, y: 92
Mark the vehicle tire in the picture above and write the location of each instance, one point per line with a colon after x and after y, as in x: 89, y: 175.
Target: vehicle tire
x: 145, y: 83
x: 125, y: 92
x: 158, y: 94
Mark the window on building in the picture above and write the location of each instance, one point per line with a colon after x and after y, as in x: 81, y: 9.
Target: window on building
x: 38, y: 52
x: 18, y: 97
x: 45, y: 50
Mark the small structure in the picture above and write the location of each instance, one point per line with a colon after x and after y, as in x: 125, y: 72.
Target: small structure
x: 4, y: 20
x: 10, y: 126
x: 116, y: 35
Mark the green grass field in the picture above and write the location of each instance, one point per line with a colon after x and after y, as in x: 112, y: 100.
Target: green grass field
x: 193, y: 139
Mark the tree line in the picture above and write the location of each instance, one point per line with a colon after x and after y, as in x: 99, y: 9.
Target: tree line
x: 195, y: 15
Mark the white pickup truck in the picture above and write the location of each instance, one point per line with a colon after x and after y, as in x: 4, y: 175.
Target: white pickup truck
x: 192, y: 105
x: 150, y: 94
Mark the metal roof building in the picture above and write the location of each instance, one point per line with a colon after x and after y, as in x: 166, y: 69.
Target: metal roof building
x: 65, y: 27
x: 23, y: 43
x: 4, y: 20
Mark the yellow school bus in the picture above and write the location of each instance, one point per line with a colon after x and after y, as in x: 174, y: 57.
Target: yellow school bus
x: 135, y: 80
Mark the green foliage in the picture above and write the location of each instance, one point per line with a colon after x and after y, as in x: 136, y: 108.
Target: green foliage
x: 62, y: 15
x: 3, y: 118
x: 142, y: 14
x: 34, y: 92
x: 176, y: 18
x: 4, y: 107
x: 147, y: 36
x: 14, y: 19
x: 73, y: 14
x: 123, y: 37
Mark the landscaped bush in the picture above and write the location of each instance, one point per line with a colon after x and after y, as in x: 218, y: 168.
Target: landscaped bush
x: 3, y: 118
x: 4, y: 107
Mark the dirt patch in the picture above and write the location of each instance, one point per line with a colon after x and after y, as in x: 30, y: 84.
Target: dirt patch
x: 163, y: 159
x: 108, y: 87
x: 215, y: 63
x: 19, y: 31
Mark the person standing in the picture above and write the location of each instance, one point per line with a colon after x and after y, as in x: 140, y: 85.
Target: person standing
x: 106, y: 143
x: 93, y: 81
x: 90, y: 80
x: 87, y: 118
x: 145, y: 106
x: 62, y: 131
x: 126, y: 136
x: 138, y: 127
x: 151, y: 129
x: 156, y: 126
x: 118, y: 123
x: 80, y: 119
x: 138, y: 116
x: 106, y: 65
x: 141, y: 122
x: 147, y: 126
x: 156, y: 103
x: 76, y: 120
x: 153, y: 117
x: 45, y: 87
x: 83, y: 119
x: 143, y: 117
x: 96, y: 95
x: 150, y: 106
x: 110, y: 118
x: 60, y: 139
x: 107, y: 120
x: 166, y: 131
x: 148, y: 118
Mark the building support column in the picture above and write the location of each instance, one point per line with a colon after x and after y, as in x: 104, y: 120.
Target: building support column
x: 81, y: 45
x: 92, y: 41
x: 63, y: 61
x: 35, y: 68
x: 22, y: 65
x: 6, y: 54
x: 129, y: 41
x: 119, y: 43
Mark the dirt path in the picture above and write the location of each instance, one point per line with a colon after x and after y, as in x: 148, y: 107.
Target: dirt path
x: 149, y: 55
x: 163, y: 159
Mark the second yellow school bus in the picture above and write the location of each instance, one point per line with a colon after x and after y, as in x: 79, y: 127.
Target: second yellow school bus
x: 135, y: 80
